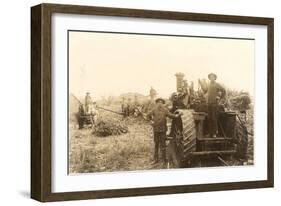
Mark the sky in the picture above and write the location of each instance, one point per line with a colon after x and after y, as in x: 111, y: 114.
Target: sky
x: 109, y: 64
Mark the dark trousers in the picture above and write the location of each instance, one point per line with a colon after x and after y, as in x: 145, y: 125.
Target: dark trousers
x: 213, y: 119
x: 127, y: 111
x: 160, y: 143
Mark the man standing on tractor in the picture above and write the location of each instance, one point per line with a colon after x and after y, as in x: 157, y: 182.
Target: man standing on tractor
x: 158, y: 116
x: 215, y: 92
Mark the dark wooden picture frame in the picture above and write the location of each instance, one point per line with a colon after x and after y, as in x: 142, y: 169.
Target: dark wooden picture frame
x: 41, y: 96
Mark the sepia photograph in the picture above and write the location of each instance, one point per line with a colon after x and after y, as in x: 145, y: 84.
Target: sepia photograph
x: 132, y: 102
x: 155, y: 101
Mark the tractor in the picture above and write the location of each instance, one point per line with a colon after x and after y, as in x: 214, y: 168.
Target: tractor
x: 189, y: 144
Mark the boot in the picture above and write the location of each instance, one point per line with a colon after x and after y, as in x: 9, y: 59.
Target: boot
x: 155, y: 161
x: 155, y: 158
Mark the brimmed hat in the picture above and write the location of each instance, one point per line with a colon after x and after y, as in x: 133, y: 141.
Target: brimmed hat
x: 212, y: 74
x: 174, y: 94
x: 160, y: 100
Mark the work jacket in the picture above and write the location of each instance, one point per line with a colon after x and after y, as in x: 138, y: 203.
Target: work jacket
x: 159, y: 115
x: 214, y: 90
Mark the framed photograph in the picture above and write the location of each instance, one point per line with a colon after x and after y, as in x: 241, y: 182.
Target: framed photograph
x: 130, y: 102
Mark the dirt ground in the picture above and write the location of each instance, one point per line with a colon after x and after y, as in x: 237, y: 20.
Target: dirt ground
x: 126, y: 152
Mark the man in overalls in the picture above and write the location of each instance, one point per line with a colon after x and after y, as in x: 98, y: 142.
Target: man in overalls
x: 215, y: 93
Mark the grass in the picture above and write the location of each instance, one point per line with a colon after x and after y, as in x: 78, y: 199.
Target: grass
x: 131, y: 151
x: 89, y: 153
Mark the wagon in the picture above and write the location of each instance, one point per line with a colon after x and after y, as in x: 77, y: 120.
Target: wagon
x: 84, y: 119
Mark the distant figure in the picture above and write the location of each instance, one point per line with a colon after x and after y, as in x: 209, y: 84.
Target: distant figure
x: 123, y: 105
x: 88, y: 102
x: 79, y: 116
x: 244, y: 104
x: 136, y: 105
x: 191, y: 88
x: 215, y: 92
x: 128, y: 107
x: 93, y: 112
x: 159, y: 124
x: 185, y: 87
x: 152, y: 93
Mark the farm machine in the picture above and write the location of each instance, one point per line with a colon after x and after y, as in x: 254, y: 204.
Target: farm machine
x: 83, y: 118
x: 189, y: 144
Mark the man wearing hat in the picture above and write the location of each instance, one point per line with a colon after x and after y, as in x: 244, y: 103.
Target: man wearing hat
x: 159, y: 123
x: 215, y: 92
x: 88, y: 102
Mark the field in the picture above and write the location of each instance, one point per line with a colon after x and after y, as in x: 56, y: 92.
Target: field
x: 125, y: 152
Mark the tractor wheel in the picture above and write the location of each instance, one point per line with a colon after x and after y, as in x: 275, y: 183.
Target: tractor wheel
x: 188, y: 143
x: 184, y: 140
x: 242, y: 141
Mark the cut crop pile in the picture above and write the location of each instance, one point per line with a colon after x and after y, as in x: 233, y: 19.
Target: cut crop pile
x: 110, y: 126
x: 238, y: 100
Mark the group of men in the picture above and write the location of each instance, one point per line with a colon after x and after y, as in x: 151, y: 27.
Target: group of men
x: 129, y: 107
x: 158, y: 115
